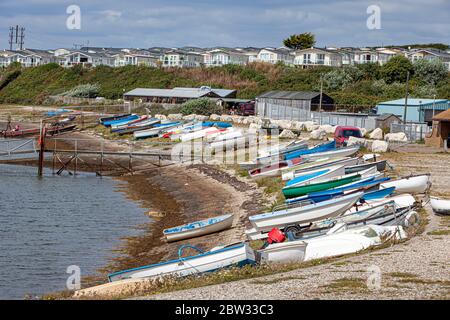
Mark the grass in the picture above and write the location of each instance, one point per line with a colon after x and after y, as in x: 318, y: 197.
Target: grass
x: 439, y: 233
x: 353, y: 285
x: 402, y: 275
x: 277, y: 280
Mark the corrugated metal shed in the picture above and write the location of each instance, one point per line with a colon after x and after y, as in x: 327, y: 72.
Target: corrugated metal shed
x: 290, y: 95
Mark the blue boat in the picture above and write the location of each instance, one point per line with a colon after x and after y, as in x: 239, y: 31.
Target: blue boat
x: 121, y: 121
x: 57, y: 112
x: 320, y: 148
x: 217, y: 124
x: 306, y: 177
x: 378, y: 194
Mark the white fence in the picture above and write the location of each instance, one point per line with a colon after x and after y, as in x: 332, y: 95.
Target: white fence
x: 413, y: 131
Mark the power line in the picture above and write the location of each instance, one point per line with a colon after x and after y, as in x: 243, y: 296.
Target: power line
x: 16, y: 36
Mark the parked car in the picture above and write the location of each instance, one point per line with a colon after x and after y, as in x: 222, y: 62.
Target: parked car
x: 246, y: 109
x: 342, y: 134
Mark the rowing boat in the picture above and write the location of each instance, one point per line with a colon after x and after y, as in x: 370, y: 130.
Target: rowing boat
x: 154, y: 131
x: 440, y: 206
x: 301, y: 214
x: 216, y: 259
x: 291, y: 173
x: 316, y: 176
x: 199, y: 228
x: 275, y: 169
x: 319, y: 148
x: 120, y: 121
x: 296, y: 191
x: 115, y: 117
x: 413, y: 184
x: 381, y: 166
x: 337, y: 153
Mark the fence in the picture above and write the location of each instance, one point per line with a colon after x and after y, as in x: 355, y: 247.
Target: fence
x: 413, y: 131
x: 341, y: 119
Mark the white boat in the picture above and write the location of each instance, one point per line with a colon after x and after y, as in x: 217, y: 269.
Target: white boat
x: 153, y: 132
x: 412, y: 184
x: 336, y: 153
x: 294, y: 215
x: 317, y: 175
x: 207, y: 133
x: 401, y: 202
x: 440, y: 206
x: 338, y: 242
x: 228, y: 139
x: 199, y: 228
x: 274, y: 153
x: 217, y: 258
x: 318, y: 164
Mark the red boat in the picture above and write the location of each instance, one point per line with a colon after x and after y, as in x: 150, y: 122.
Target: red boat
x: 35, y: 132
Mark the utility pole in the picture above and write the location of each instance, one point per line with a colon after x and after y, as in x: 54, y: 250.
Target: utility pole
x: 11, y: 37
x: 406, y: 97
x: 321, y: 92
x: 21, y: 37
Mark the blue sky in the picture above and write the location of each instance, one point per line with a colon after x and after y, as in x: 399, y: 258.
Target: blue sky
x: 142, y: 24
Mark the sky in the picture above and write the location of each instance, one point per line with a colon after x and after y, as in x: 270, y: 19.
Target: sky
x: 202, y: 23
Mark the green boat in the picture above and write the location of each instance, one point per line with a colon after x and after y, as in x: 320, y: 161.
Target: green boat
x: 292, y: 192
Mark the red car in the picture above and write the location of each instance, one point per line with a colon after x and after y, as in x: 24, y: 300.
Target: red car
x: 341, y: 134
x: 246, y: 109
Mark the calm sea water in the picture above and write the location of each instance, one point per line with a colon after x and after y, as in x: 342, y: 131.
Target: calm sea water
x: 50, y: 223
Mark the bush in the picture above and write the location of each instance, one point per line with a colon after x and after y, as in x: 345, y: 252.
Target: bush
x: 396, y: 69
x: 430, y: 71
x: 83, y: 91
x: 342, y: 78
x: 202, y: 106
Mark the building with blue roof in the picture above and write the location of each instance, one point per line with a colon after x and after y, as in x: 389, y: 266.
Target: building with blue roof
x: 418, y: 110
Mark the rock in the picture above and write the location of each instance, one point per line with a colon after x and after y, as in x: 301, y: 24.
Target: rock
x: 363, y: 131
x: 376, y: 134
x: 226, y: 118
x: 199, y: 117
x: 400, y: 136
x: 379, y: 146
x: 287, y: 134
x: 160, y: 117
x: 310, y: 126
x: 190, y: 117
x: 329, y: 129
x: 255, y: 126
x: 298, y: 125
x: 214, y: 117
x: 175, y: 116
x: 353, y: 141
x: 318, y: 134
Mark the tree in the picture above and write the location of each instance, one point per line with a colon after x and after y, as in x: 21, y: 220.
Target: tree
x: 300, y: 41
x: 430, y: 71
x: 342, y: 78
x: 396, y: 69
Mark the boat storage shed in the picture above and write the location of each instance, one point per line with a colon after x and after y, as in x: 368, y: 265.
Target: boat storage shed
x: 418, y: 110
x: 176, y: 95
x: 291, y: 105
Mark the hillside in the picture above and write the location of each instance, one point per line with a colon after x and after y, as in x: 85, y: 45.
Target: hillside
x: 364, y: 85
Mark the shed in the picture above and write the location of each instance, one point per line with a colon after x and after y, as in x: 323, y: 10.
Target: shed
x: 291, y: 105
x: 418, y: 110
x: 440, y: 132
x: 385, y: 120
x: 177, y: 95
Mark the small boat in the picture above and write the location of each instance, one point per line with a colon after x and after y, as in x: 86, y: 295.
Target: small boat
x: 316, y: 176
x: 20, y: 133
x: 57, y: 112
x: 381, y: 166
x: 209, y: 132
x: 276, y: 152
x: 290, y: 174
x: 216, y: 259
x: 199, y: 228
x: 52, y: 131
x: 319, y: 148
x: 401, y: 202
x: 340, y: 242
x: 337, y: 153
x: 154, y: 131
x: 275, y: 169
x: 413, y: 184
x: 218, y: 124
x: 296, y: 191
x: 228, y: 140
x: 440, y: 206
x: 292, y: 216
x: 115, y: 117
x: 120, y: 121
x: 148, y: 124
x: 119, y: 126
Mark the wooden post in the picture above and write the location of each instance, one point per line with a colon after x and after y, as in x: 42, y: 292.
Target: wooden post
x: 406, y: 97
x: 41, y: 150
x: 76, y: 158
